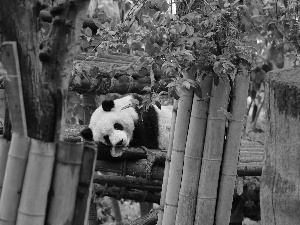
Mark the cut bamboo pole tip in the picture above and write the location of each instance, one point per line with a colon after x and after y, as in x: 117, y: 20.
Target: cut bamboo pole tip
x: 65, y: 182
x: 37, y: 181
x: 13, y: 179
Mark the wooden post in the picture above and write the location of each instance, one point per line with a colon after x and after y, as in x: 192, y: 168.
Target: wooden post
x: 280, y: 184
x: 85, y: 184
x: 65, y: 182
x: 36, y: 186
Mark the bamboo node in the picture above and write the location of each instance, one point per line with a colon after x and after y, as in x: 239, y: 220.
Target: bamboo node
x: 178, y: 150
x: 167, y: 204
x: 199, y: 117
x: 216, y: 118
x: 212, y: 159
x: 192, y: 157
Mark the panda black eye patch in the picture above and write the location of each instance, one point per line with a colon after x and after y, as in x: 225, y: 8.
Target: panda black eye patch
x: 118, y: 126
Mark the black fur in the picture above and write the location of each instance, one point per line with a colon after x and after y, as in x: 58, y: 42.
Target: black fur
x: 107, y: 105
x: 87, y: 134
x: 146, y: 129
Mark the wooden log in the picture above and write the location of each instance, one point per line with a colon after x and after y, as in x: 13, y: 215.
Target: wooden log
x: 137, y: 168
x: 149, y: 219
x: 122, y: 85
x: 61, y: 203
x: 13, y: 179
x: 132, y: 153
x: 232, y: 147
x: 36, y: 185
x: 212, y: 153
x: 85, y: 184
x: 120, y: 192
x: 4, y: 149
x: 179, y: 142
x: 281, y: 178
x: 193, y: 155
x: 13, y: 87
x: 129, y: 182
x: 167, y: 164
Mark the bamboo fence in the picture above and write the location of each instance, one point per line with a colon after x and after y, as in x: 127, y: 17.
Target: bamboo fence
x: 13, y: 179
x: 36, y: 185
x: 177, y: 157
x: 212, y: 154
x: 167, y: 164
x: 193, y: 155
x: 232, y: 146
x: 65, y: 182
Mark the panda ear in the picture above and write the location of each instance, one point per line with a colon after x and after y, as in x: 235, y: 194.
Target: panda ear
x: 87, y: 134
x: 107, y: 105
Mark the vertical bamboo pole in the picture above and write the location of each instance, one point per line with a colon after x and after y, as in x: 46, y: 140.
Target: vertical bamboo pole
x: 65, y: 182
x: 212, y: 154
x: 4, y: 148
x: 85, y: 184
x: 167, y: 164
x: 36, y: 183
x: 232, y: 146
x: 13, y: 179
x: 175, y: 172
x: 193, y: 155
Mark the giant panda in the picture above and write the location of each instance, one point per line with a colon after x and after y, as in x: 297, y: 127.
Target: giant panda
x: 121, y: 123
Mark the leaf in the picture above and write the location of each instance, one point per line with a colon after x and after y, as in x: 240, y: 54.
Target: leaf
x: 190, y: 30
x: 209, y: 34
x: 72, y: 97
x: 88, y: 32
x: 198, y: 91
x: 174, y: 93
x: 186, y: 84
x: 147, y: 89
x: 165, y: 6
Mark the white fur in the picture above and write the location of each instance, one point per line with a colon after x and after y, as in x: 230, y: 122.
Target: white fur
x: 122, y: 114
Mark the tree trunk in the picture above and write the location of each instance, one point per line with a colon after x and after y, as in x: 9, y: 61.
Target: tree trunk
x: 280, y: 185
x: 45, y: 66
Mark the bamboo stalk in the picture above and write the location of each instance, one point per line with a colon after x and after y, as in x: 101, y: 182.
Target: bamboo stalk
x: 13, y: 179
x: 193, y: 155
x: 232, y: 146
x: 212, y: 154
x: 65, y: 182
x: 85, y: 184
x: 13, y: 87
x: 89, y: 106
x: 177, y: 157
x: 36, y: 183
x: 167, y: 164
x: 4, y: 148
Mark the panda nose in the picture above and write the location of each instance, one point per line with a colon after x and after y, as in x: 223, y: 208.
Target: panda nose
x: 120, y: 143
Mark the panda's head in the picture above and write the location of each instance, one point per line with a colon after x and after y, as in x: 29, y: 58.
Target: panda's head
x: 113, y: 122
